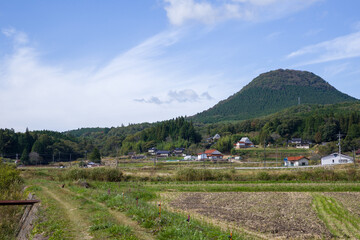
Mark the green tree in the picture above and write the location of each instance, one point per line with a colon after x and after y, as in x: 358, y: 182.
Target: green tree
x: 95, y: 156
x: 25, y: 157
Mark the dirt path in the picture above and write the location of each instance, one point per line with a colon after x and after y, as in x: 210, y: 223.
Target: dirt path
x: 139, y: 232
x: 80, y: 225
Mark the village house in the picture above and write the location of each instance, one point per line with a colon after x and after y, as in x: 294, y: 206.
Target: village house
x: 299, y: 143
x: 216, y: 137
x: 296, y: 161
x: 92, y: 164
x: 244, y: 143
x: 336, y: 158
x: 202, y: 156
x: 179, y: 151
x: 161, y: 153
x: 211, y: 154
x: 152, y: 151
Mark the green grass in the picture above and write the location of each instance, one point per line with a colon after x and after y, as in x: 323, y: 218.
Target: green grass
x: 169, y: 226
x: 11, y: 185
x: 53, y: 224
x: 50, y: 221
x: 340, y: 222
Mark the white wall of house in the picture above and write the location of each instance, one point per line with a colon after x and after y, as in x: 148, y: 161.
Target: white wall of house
x: 202, y: 156
x: 301, y: 162
x: 335, y: 158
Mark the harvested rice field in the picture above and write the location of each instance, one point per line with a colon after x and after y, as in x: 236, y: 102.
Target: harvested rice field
x: 294, y: 215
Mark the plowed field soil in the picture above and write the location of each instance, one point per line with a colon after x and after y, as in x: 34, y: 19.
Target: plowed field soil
x: 276, y: 214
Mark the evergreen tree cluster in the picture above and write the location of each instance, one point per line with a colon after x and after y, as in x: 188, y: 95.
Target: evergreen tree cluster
x: 165, y: 135
x: 40, y: 147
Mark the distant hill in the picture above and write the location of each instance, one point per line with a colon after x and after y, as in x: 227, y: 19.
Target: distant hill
x: 271, y: 92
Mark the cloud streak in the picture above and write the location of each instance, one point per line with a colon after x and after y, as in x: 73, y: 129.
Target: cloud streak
x: 38, y: 95
x: 180, y: 12
x: 343, y: 47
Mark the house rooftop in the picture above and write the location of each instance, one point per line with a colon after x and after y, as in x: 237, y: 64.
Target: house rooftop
x: 297, y: 158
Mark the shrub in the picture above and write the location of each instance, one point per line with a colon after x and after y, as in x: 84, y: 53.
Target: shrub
x: 264, y: 176
x: 96, y: 174
x: 190, y: 174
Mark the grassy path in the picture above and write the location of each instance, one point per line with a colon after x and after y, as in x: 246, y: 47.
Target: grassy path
x: 121, y: 218
x: 340, y: 222
x: 81, y: 231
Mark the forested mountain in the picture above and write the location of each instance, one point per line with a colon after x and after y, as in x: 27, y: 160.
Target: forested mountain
x: 271, y: 92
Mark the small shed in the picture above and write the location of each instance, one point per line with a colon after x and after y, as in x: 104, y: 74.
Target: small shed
x: 296, y: 161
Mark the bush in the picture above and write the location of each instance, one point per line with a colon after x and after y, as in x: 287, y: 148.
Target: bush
x: 190, y: 174
x: 96, y: 174
x: 264, y: 176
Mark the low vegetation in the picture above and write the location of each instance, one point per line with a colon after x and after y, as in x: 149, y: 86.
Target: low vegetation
x: 11, y: 185
x: 341, y: 223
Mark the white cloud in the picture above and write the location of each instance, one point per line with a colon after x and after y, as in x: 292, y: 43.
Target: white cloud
x: 343, y: 47
x: 19, y: 37
x: 181, y: 96
x: 181, y: 11
x: 335, y: 69
x: 37, y: 95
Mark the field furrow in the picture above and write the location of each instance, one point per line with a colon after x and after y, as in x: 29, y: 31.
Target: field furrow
x: 340, y: 222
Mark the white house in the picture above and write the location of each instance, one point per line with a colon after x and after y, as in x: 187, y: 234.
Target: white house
x: 189, y: 158
x: 152, y: 151
x: 202, y: 156
x: 244, y: 143
x: 296, y: 161
x: 216, y: 137
x: 335, y: 158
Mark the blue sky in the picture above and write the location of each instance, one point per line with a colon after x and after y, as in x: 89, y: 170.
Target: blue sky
x: 70, y: 64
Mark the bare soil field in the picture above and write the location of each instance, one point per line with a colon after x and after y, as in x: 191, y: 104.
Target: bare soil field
x: 276, y: 214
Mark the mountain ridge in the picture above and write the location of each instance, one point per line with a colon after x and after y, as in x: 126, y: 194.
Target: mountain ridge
x: 271, y: 92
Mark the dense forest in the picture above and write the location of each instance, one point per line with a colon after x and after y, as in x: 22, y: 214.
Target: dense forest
x: 314, y: 123
x: 42, y: 147
x: 271, y: 92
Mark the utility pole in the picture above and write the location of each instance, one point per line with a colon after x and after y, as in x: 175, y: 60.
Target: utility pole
x: 264, y: 153
x: 339, y: 135
x: 299, y: 101
x: 17, y: 156
x: 354, y: 157
x: 117, y: 156
x: 276, y: 155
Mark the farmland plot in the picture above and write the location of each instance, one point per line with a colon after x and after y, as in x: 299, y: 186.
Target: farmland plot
x: 276, y: 214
